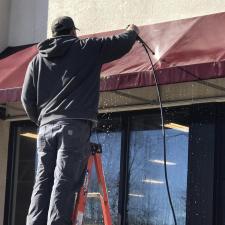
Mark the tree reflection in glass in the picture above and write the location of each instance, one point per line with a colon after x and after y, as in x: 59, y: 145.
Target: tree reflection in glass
x: 111, y: 146
x: 148, y: 202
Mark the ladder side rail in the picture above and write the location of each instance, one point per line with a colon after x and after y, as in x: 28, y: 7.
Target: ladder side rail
x: 77, y: 216
x: 103, y: 198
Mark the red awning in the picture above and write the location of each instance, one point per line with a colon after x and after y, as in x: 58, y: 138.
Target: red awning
x: 186, y: 50
x: 12, y: 71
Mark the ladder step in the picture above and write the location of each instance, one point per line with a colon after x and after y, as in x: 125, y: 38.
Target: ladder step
x: 93, y: 195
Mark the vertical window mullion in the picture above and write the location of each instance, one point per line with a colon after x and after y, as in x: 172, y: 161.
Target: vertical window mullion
x: 124, y: 169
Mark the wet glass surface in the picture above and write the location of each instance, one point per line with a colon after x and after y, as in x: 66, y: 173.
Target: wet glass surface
x: 147, y: 197
x: 111, y: 146
x: 148, y: 201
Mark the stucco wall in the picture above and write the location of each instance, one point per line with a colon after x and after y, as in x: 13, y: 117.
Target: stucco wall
x: 4, y: 23
x: 4, y: 137
x: 93, y: 16
x: 28, y: 21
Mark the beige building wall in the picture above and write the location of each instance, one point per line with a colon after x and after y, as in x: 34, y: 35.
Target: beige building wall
x: 28, y: 21
x: 4, y: 126
x: 93, y: 16
x: 4, y: 23
x: 4, y: 137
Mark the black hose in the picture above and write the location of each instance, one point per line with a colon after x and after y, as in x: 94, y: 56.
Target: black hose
x: 146, y: 47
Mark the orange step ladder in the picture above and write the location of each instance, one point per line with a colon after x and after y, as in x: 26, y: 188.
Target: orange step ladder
x: 78, y: 213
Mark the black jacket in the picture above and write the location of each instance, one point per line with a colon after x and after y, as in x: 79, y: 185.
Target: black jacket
x: 62, y: 81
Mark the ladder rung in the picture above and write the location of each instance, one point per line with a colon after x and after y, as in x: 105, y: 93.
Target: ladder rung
x: 93, y: 195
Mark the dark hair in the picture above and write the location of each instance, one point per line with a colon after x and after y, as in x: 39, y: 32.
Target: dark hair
x: 62, y: 32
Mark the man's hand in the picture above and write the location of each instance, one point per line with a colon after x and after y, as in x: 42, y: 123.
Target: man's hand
x: 134, y: 28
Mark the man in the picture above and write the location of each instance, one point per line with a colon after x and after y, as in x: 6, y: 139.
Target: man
x: 60, y: 94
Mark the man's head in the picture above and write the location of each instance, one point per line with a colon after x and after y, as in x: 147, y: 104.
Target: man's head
x: 63, y: 25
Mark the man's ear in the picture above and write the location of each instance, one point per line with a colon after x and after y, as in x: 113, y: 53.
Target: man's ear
x: 73, y: 32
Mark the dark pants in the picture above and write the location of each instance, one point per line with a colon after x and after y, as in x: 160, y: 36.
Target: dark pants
x: 63, y: 149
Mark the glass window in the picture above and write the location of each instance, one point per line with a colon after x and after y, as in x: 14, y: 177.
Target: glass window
x: 24, y: 172
x: 109, y: 136
x: 147, y: 197
x: 147, y: 201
